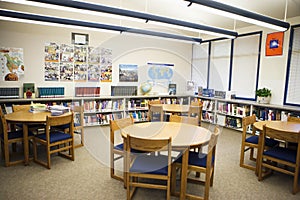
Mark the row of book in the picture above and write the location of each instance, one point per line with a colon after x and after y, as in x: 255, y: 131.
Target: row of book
x: 208, y: 105
x: 139, y: 116
x: 229, y: 121
x: 104, y: 105
x: 101, y: 119
x: 51, y: 92
x: 233, y: 109
x: 208, y: 116
x: 87, y: 91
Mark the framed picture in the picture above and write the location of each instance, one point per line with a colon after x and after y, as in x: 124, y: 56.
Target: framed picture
x: 274, y: 44
x: 80, y: 39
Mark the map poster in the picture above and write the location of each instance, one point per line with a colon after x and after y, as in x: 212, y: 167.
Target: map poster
x: 11, y: 64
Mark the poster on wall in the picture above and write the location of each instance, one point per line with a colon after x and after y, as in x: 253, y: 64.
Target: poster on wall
x: 128, y: 73
x: 52, y: 71
x: 274, y: 44
x: 94, y: 70
x: 52, y: 52
x: 11, y: 64
x: 66, y: 62
x: 106, y: 65
x: 160, y: 73
x: 80, y: 71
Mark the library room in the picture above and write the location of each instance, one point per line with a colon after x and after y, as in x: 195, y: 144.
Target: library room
x: 172, y: 99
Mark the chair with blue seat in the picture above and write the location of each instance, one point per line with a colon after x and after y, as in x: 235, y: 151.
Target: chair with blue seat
x: 280, y: 158
x: 250, y: 142
x: 78, y: 124
x: 199, y: 162
x: 8, y: 138
x: 150, y: 168
x: 56, y: 141
x: 116, y: 148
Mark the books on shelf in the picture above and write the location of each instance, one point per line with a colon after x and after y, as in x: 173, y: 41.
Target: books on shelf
x: 87, y: 91
x: 51, y: 92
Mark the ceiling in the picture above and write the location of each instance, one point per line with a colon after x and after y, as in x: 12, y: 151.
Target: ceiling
x: 178, y: 9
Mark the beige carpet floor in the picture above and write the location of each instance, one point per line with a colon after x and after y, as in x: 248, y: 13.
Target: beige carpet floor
x: 88, y: 177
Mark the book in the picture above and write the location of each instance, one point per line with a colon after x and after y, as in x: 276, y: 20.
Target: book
x: 28, y: 90
x: 172, y: 89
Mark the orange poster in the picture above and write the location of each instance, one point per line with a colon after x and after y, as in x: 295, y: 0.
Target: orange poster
x: 274, y: 44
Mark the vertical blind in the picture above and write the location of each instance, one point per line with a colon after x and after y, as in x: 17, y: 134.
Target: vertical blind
x: 200, y: 64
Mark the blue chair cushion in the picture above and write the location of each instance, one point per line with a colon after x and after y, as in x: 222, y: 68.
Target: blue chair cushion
x: 16, y: 134
x: 119, y: 147
x: 282, y: 153
x: 150, y: 164
x: 55, y: 136
x: 196, y: 159
x: 269, y: 142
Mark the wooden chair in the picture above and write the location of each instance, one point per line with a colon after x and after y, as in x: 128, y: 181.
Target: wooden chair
x: 156, y: 113
x: 8, y: 138
x: 78, y: 124
x: 251, y: 142
x: 279, y: 158
x: 199, y: 163
x: 195, y: 110
x: 54, y: 140
x: 117, y: 149
x: 184, y: 119
x: 292, y: 145
x: 155, y: 101
x: 142, y: 167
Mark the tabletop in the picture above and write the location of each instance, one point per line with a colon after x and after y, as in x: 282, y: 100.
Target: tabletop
x: 279, y: 125
x: 25, y: 116
x: 183, y: 135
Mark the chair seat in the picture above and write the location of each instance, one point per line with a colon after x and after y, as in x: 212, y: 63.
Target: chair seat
x: 269, y: 142
x: 150, y: 164
x: 282, y: 153
x: 55, y: 136
x: 196, y: 159
x: 16, y: 134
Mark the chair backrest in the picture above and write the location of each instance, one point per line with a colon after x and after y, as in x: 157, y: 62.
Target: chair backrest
x: 184, y: 119
x: 156, y: 113
x: 117, y: 125
x: 3, y: 125
x: 65, y: 119
x: 79, y: 110
x: 280, y: 135
x: 293, y: 119
x: 246, y: 121
x: 196, y: 103
x: 196, y: 111
x: 148, y: 145
x: 213, y: 139
x: 20, y: 107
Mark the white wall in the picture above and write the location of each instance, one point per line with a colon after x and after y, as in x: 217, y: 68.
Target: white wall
x: 126, y: 49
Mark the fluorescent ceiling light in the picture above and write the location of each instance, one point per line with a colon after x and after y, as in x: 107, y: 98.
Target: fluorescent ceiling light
x: 81, y: 7
x: 240, y: 14
x: 8, y: 14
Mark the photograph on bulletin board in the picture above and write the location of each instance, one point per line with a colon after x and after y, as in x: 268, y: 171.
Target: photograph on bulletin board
x: 274, y: 44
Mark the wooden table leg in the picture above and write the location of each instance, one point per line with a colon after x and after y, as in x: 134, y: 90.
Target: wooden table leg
x: 184, y: 170
x: 26, y: 145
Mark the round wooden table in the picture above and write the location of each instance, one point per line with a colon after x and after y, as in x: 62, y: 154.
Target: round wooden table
x: 279, y: 125
x: 183, y: 136
x: 26, y: 117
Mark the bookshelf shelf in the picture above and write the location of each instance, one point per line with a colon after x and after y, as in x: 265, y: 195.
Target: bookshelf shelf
x: 99, y: 110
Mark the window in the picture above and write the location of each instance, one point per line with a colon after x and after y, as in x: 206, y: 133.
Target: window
x: 245, y: 65
x: 200, y: 64
x: 292, y: 85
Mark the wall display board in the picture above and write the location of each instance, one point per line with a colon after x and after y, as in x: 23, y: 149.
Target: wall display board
x: 11, y: 64
x: 160, y: 73
x: 79, y: 63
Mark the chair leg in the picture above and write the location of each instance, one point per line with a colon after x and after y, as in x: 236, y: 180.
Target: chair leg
x: 48, y: 158
x: 6, y: 155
